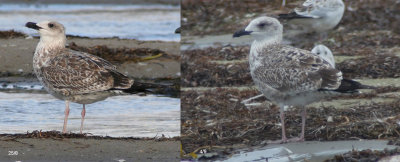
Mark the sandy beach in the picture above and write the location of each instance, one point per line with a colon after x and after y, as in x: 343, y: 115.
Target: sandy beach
x: 14, y: 148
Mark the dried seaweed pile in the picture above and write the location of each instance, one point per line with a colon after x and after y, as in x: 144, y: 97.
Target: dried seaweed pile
x: 213, y: 74
x: 197, y: 70
x: 375, y: 66
x: 119, y: 55
x: 11, y: 34
x: 217, y: 118
x: 59, y: 135
x: 372, y: 15
x: 219, y: 53
x: 220, y: 16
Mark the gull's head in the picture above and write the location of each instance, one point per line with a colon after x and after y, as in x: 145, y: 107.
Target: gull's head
x: 325, y: 53
x: 262, y: 28
x: 48, y: 29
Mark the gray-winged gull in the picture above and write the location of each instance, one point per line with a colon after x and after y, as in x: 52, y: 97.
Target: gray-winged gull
x: 289, y: 76
x: 71, y: 75
x: 317, y: 15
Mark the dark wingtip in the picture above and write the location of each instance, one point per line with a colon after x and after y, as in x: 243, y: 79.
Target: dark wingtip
x: 178, y: 30
x: 241, y: 33
x: 292, y: 15
x: 348, y: 86
x: 32, y: 25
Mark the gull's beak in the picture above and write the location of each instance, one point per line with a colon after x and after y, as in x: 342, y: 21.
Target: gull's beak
x: 241, y: 33
x: 32, y: 25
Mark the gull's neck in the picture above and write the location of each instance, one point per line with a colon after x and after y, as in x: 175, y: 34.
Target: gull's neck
x: 258, y: 46
x: 51, y: 43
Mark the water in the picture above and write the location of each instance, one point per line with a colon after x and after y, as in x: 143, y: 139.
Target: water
x: 142, y: 22
x: 118, y: 116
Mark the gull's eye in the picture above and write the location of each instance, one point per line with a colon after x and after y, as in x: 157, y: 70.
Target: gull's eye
x: 51, y: 25
x: 318, y: 53
x: 261, y: 25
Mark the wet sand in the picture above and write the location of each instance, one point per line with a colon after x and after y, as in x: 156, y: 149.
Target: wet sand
x: 80, y: 149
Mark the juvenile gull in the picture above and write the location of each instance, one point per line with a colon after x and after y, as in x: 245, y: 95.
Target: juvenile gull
x: 316, y: 15
x: 289, y: 76
x: 320, y: 50
x: 325, y: 53
x: 71, y: 75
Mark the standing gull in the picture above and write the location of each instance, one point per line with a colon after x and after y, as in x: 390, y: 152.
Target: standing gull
x: 287, y: 75
x: 317, y: 15
x: 71, y: 75
x: 320, y: 50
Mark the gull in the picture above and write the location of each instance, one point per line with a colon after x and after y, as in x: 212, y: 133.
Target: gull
x: 289, y: 76
x: 325, y: 53
x: 320, y: 50
x: 317, y: 15
x: 71, y: 75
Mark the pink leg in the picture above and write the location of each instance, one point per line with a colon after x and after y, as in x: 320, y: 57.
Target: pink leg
x: 83, y: 117
x: 66, y: 112
x: 303, y: 123
x: 282, y: 115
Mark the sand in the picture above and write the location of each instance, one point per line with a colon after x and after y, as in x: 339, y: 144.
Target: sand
x: 34, y: 149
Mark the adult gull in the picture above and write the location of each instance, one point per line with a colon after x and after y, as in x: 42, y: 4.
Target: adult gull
x: 71, y: 75
x: 289, y: 76
x: 316, y: 15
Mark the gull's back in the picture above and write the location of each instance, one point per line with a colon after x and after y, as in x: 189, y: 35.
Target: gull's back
x: 317, y: 15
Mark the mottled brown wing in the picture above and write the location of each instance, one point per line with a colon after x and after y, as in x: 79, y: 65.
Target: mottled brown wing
x: 98, y: 60
x: 77, y: 74
x: 297, y: 70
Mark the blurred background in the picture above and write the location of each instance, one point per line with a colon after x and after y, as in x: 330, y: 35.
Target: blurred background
x: 137, y: 36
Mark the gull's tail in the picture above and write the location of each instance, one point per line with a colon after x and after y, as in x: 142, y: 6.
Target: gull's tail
x: 351, y: 86
x: 153, y: 88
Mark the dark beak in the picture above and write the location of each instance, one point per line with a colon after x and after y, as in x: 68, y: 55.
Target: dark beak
x: 32, y: 25
x: 241, y: 33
